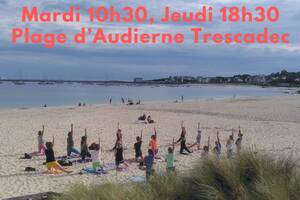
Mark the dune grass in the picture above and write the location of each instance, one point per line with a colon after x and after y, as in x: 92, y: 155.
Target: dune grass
x: 249, y: 176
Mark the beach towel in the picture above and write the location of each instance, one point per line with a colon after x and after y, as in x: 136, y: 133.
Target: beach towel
x: 54, y: 171
x: 112, y: 166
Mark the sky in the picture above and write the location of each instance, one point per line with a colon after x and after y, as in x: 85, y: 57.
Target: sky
x: 124, y: 62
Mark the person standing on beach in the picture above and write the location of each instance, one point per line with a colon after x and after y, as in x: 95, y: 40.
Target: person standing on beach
x: 138, y: 146
x: 41, y: 144
x: 153, y: 144
x: 182, y: 141
x: 198, y: 138
x: 123, y: 100
x: 149, y: 160
x: 229, y: 145
x: 118, y: 149
x: 217, y: 148
x: 170, y: 158
x: 110, y: 100
x: 70, y: 143
x: 182, y: 98
x: 238, y: 142
x: 205, y: 152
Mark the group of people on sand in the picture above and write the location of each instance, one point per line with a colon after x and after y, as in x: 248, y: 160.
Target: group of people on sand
x: 145, y: 162
x: 129, y: 101
x: 146, y: 119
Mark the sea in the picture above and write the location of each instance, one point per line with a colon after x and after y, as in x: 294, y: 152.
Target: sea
x: 70, y: 94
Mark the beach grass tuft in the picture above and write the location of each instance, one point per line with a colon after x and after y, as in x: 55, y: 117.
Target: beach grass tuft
x: 250, y: 176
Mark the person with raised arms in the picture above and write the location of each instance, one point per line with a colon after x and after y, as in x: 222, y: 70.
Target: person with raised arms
x: 70, y: 143
x: 238, y: 142
x: 182, y: 141
x: 84, y: 151
x: 118, y: 149
x: 230, y: 145
x: 218, y: 146
x: 205, y: 152
x: 52, y: 165
x: 170, y: 158
x: 198, y: 138
x: 153, y: 143
x: 41, y: 144
x: 138, y: 146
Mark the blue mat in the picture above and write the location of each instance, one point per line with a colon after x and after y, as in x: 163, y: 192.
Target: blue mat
x: 90, y: 170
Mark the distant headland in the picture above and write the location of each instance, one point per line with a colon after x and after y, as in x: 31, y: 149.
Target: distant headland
x: 279, y: 79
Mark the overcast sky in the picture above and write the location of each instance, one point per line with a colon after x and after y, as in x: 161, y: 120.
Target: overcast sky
x: 98, y: 62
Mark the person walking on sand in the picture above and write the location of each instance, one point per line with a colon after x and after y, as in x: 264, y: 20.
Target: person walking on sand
x: 41, y: 144
x: 52, y: 165
x: 230, y: 145
x: 70, y: 143
x: 182, y: 141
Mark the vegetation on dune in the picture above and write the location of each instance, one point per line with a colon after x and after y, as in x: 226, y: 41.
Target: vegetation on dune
x: 247, y: 177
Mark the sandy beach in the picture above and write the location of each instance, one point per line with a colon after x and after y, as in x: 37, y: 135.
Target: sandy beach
x: 269, y: 124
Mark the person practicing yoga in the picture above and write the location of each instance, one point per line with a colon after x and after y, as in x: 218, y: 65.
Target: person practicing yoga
x: 149, y: 120
x: 238, y: 142
x: 137, y: 147
x: 41, y: 144
x: 142, y: 117
x: 84, y: 151
x: 170, y: 158
x: 206, y: 148
x: 70, y: 143
x: 149, y: 160
x: 52, y: 165
x: 198, y: 138
x: 118, y: 149
x: 95, y: 152
x: 217, y: 148
x: 153, y: 144
x: 230, y: 145
x: 182, y: 141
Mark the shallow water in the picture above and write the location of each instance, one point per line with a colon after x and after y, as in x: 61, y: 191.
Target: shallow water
x: 35, y: 95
